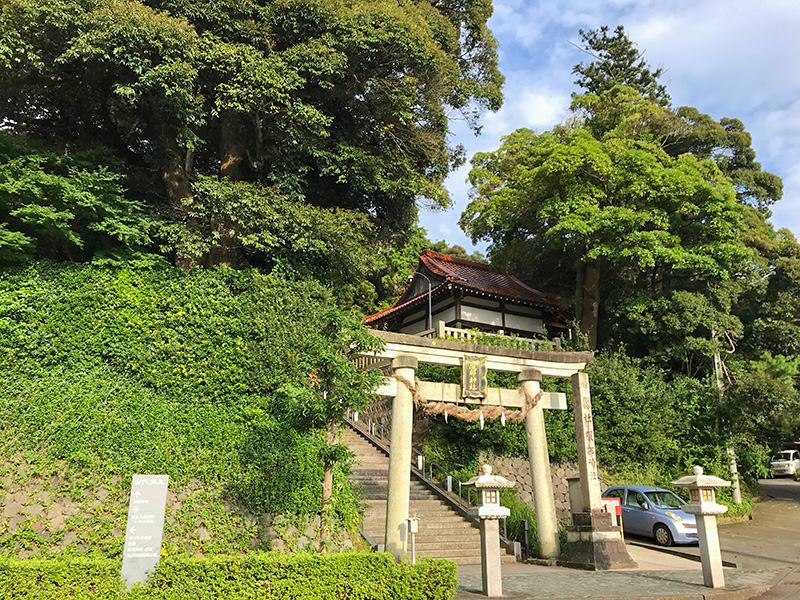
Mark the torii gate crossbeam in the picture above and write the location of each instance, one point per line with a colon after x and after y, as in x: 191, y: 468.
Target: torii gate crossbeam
x: 402, y: 353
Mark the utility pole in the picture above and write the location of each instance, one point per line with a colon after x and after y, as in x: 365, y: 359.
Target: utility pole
x: 719, y: 374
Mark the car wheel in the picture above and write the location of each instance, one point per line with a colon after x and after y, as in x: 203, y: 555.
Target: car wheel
x: 663, y: 535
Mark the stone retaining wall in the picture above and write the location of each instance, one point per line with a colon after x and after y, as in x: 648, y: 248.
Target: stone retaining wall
x: 519, y: 470
x: 43, y: 514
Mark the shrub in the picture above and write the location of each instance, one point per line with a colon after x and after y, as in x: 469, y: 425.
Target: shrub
x: 519, y: 511
x: 79, y: 578
x: 106, y: 372
x: 269, y: 576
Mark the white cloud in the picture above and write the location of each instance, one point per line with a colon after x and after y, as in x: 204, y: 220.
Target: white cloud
x: 532, y: 23
x: 786, y: 213
x: 734, y: 54
x: 535, y: 108
x: 776, y: 134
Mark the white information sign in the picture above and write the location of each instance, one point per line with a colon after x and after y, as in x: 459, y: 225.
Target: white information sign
x: 145, y: 527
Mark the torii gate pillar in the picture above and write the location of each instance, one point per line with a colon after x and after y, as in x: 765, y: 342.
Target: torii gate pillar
x: 403, y: 366
x: 539, y: 458
x: 593, y: 541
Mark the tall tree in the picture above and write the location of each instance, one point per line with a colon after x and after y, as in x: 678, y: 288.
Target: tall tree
x: 333, y: 103
x: 617, y: 61
x: 614, y: 210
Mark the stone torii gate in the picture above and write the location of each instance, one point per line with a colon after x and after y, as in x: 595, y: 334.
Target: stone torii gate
x: 592, y: 541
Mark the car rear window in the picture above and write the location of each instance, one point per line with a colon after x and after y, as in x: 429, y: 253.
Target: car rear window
x: 787, y: 455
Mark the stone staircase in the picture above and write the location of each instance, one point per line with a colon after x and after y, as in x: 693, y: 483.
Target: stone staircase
x: 443, y: 532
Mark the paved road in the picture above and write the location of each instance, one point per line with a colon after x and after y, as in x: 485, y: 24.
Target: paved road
x: 780, y: 488
x: 773, y: 535
x: 771, y: 540
x: 767, y: 548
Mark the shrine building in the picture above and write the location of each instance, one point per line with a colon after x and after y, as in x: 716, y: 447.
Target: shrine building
x: 466, y: 294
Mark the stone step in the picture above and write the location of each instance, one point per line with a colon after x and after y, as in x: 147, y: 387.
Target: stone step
x: 428, y: 533
x: 368, y: 479
x: 443, y: 532
x: 433, y: 501
x: 376, y: 495
x: 431, y: 514
x: 433, y: 536
x: 473, y: 548
x: 417, y: 507
x: 431, y: 541
x: 382, y: 496
x: 368, y: 452
x: 368, y: 487
x: 428, y: 517
x: 357, y: 442
x: 464, y: 546
x: 463, y: 559
x: 433, y: 524
x: 371, y: 483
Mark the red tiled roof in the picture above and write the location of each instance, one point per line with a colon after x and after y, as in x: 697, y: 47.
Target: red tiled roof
x: 401, y: 305
x: 479, y: 277
x: 470, y: 275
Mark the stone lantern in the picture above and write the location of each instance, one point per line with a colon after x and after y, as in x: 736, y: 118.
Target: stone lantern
x: 703, y: 505
x: 489, y: 511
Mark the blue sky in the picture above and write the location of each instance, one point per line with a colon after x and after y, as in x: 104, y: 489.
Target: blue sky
x: 727, y: 58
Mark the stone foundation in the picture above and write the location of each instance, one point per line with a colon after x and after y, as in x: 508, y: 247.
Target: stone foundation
x: 52, y: 513
x: 594, y: 544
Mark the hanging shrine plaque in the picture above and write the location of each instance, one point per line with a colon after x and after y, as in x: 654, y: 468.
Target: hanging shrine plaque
x: 473, y: 377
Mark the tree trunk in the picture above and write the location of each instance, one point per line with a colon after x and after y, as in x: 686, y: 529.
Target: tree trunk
x: 233, y: 166
x: 580, y: 278
x: 326, y: 531
x: 327, y: 478
x: 232, y: 147
x: 587, y: 299
x: 179, y: 187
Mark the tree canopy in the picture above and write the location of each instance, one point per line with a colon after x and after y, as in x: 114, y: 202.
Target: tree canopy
x: 615, y: 209
x: 333, y: 104
x: 617, y: 61
x: 653, y: 222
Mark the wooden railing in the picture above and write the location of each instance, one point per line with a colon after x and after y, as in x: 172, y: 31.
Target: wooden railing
x: 441, y: 331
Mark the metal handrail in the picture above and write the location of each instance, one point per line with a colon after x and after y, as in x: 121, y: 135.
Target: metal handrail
x: 463, y: 497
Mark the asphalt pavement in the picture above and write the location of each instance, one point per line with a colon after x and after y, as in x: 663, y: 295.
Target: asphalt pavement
x: 765, y: 550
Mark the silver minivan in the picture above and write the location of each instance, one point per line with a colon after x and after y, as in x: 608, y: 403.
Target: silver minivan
x: 785, y: 462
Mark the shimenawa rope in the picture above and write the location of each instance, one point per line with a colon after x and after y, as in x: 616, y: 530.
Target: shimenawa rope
x: 464, y: 413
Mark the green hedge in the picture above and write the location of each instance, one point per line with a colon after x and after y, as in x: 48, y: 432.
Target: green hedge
x: 77, y: 578
x: 354, y: 576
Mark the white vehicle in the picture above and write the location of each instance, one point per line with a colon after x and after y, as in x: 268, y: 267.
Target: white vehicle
x: 786, y: 462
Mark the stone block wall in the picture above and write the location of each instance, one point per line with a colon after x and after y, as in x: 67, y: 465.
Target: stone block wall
x: 519, y: 470
x: 54, y: 512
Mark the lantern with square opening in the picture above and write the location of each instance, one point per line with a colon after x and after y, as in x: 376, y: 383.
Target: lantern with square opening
x: 488, y: 487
